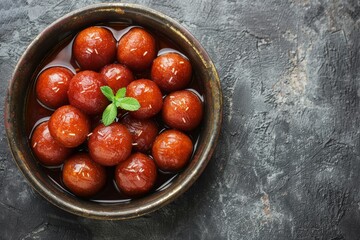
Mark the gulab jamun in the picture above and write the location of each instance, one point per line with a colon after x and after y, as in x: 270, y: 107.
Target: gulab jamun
x: 110, y: 145
x: 136, y: 175
x: 149, y: 96
x: 137, y: 49
x: 82, y: 176
x: 143, y: 150
x: 171, y: 150
x: 171, y: 72
x: 69, y: 126
x: 48, y: 151
x: 182, y: 110
x: 94, y: 47
x: 52, y: 86
x: 117, y: 76
x: 143, y: 131
x: 85, y: 93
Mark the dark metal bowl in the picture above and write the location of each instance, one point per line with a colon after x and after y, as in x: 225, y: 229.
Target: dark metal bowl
x: 69, y: 25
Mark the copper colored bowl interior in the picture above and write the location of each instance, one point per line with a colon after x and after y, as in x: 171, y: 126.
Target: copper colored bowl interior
x: 68, y: 26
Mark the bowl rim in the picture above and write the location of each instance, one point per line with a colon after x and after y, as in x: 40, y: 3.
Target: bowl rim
x: 167, y: 196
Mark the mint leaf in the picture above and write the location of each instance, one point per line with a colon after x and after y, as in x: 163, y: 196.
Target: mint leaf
x: 108, y: 92
x: 128, y: 103
x: 119, y: 100
x: 109, y: 114
x: 120, y: 93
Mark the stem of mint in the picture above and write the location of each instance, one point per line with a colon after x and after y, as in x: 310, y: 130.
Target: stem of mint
x: 117, y: 101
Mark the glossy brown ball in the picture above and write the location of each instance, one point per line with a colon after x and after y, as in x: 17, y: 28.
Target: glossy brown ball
x: 94, y: 47
x: 52, y: 86
x: 171, y: 72
x: 82, y: 176
x: 117, y: 76
x: 149, y: 96
x: 110, y: 145
x: 85, y: 93
x: 69, y: 126
x: 182, y: 110
x: 171, y: 150
x: 136, y: 176
x: 137, y: 49
x: 48, y: 151
x: 143, y: 131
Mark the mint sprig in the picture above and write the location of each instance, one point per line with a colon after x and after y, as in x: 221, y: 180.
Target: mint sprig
x: 117, y: 101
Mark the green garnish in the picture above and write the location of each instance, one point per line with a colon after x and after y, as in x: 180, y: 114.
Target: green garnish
x: 117, y: 101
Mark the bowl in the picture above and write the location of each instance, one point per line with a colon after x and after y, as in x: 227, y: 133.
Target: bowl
x: 69, y: 25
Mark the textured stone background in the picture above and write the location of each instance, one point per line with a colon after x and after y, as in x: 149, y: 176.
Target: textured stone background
x: 287, y: 165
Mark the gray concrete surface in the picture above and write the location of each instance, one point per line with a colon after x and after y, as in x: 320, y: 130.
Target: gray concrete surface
x: 287, y: 165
